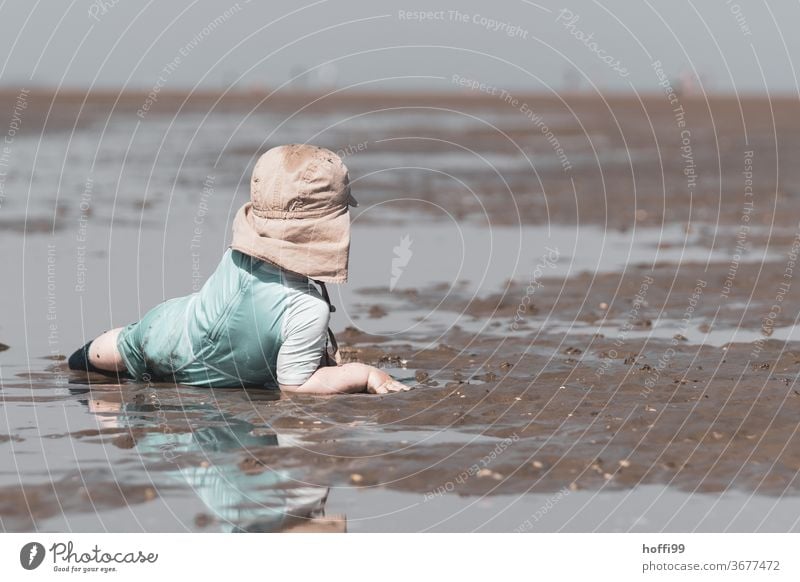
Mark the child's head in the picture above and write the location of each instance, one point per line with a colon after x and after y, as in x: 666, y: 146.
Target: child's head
x: 298, y: 216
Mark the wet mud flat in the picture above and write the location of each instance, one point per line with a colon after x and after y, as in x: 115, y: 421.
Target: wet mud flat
x: 603, y: 387
x: 611, y: 347
x: 495, y: 419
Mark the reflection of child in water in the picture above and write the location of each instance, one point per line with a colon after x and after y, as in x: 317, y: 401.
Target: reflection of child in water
x: 239, y: 501
x: 258, y: 320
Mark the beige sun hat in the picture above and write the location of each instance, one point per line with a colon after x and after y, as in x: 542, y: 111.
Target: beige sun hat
x: 298, y: 216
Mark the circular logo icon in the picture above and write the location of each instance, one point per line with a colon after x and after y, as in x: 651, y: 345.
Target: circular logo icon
x: 31, y: 555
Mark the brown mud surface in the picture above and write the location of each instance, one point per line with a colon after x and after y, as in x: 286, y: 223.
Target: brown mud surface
x: 673, y: 371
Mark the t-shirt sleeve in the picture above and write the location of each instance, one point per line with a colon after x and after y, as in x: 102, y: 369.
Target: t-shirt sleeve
x: 305, y: 332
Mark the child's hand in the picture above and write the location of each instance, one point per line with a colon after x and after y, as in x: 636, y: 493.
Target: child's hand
x: 380, y: 382
x: 390, y: 385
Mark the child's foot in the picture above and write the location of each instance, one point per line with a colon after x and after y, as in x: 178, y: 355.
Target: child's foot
x: 100, y: 355
x: 80, y: 360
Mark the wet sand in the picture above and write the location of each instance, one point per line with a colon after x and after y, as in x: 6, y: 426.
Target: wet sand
x: 611, y: 346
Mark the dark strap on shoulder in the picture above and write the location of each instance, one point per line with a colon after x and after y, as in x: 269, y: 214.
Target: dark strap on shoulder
x: 325, y: 295
x: 333, y: 357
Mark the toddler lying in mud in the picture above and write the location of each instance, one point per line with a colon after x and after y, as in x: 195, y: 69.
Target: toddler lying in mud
x: 259, y: 320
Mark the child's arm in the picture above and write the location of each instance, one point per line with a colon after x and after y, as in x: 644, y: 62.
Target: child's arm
x: 306, y: 337
x: 347, y: 379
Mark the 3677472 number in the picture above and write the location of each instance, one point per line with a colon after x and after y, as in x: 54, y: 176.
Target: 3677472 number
x: 749, y: 565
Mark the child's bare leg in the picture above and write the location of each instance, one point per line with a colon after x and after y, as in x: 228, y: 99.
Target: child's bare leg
x: 103, y: 352
x: 99, y: 355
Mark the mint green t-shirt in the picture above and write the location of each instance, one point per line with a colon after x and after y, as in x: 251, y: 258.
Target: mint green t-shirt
x: 251, y: 324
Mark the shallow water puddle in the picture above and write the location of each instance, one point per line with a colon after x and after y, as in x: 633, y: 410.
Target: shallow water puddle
x: 646, y: 508
x: 390, y: 262
x: 666, y: 329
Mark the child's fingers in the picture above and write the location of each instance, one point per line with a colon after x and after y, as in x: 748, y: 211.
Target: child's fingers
x: 395, y: 386
x: 390, y: 386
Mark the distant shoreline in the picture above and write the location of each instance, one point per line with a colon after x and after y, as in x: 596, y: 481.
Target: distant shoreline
x: 344, y: 96
x: 50, y: 110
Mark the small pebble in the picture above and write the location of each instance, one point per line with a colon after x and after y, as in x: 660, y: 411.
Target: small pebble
x: 356, y: 478
x: 538, y: 464
x: 624, y: 463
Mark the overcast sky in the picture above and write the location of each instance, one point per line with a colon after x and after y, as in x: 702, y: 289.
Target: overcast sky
x: 506, y: 44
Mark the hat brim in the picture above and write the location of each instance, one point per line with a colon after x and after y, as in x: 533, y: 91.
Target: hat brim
x: 317, y: 248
